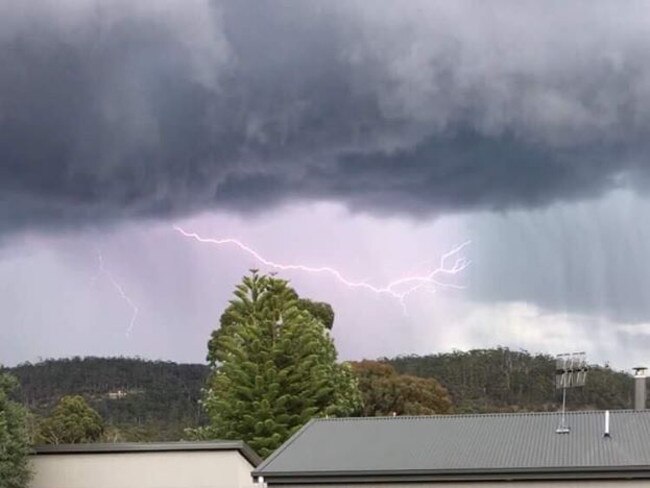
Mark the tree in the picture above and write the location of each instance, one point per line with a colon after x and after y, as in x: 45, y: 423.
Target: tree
x: 503, y: 380
x: 320, y: 311
x: 385, y: 392
x: 146, y: 400
x: 274, y: 368
x: 14, y: 438
x: 72, y: 422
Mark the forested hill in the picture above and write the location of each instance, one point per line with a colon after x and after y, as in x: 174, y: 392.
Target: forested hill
x: 156, y: 400
x: 502, y: 380
x: 145, y: 400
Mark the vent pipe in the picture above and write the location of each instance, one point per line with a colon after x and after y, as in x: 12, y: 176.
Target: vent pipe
x: 606, y: 434
x: 639, y: 388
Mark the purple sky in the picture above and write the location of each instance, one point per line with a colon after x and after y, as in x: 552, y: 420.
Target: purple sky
x: 371, y: 139
x: 524, y: 288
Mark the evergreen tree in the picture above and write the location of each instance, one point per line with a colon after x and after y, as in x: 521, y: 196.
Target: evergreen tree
x: 72, y: 422
x: 321, y: 311
x: 274, y: 368
x: 14, y: 438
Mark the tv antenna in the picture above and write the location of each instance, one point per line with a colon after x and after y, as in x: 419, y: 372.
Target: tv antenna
x: 570, y: 372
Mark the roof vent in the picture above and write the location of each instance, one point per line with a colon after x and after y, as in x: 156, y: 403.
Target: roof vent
x: 606, y: 434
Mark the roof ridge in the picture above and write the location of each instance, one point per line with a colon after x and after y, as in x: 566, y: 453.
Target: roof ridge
x: 481, y: 415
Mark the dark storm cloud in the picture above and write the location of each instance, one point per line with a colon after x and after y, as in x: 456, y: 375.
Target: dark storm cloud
x: 112, y: 111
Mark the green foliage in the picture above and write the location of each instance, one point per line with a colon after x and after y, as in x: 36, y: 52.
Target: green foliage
x: 72, y: 422
x: 319, y: 310
x: 160, y: 399
x: 142, y: 400
x: 274, y: 368
x: 385, y: 392
x: 14, y: 438
x: 501, y: 380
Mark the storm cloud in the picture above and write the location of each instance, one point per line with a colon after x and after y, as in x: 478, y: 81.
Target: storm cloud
x: 110, y: 110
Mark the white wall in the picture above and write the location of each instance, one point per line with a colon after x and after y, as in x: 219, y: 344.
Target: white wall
x: 187, y: 469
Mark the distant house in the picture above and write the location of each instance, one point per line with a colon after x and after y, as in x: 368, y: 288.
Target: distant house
x: 469, y: 450
x: 221, y: 464
x: 117, y: 395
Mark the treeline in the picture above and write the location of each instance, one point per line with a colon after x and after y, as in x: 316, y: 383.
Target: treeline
x: 142, y: 400
x: 503, y: 380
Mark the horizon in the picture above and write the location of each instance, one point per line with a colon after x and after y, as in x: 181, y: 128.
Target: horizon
x: 39, y: 361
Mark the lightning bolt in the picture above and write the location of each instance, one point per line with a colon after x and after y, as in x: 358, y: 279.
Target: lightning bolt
x: 101, y: 270
x: 450, y: 264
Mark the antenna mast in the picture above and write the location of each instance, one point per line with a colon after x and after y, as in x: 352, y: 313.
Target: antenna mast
x: 570, y: 372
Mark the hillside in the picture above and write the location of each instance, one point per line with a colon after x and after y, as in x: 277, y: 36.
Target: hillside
x: 495, y: 380
x: 156, y: 400
x: 144, y: 400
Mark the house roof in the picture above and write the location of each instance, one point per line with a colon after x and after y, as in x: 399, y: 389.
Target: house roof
x: 135, y: 447
x: 497, y: 446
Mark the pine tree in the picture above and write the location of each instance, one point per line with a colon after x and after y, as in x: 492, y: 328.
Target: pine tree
x: 14, y: 438
x: 274, y: 368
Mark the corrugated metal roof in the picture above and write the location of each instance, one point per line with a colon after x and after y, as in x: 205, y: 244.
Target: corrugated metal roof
x: 447, y: 443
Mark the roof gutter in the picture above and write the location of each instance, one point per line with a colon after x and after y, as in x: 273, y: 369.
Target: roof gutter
x: 524, y: 474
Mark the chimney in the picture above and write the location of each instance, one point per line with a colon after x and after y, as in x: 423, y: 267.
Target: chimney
x: 639, y: 388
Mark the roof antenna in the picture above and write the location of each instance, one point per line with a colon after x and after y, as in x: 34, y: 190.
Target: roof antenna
x: 639, y: 388
x: 570, y: 372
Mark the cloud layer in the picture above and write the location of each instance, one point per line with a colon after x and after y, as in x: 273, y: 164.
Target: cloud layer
x: 112, y: 111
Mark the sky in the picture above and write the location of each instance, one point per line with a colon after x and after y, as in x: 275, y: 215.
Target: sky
x: 372, y: 138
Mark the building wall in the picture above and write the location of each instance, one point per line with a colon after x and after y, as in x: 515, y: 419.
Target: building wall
x: 187, y: 469
x: 508, y: 484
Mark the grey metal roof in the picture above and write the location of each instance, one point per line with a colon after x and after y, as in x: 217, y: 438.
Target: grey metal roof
x: 464, y: 444
x: 131, y: 447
